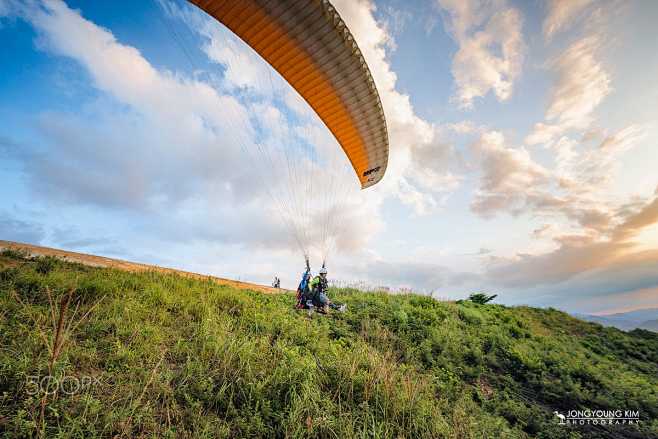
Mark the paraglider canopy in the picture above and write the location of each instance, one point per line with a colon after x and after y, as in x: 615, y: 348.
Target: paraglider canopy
x: 308, y: 43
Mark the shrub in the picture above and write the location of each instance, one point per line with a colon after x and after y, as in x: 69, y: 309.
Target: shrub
x: 46, y: 264
x: 481, y: 298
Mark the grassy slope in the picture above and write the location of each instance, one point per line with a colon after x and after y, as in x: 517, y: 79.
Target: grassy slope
x: 179, y: 357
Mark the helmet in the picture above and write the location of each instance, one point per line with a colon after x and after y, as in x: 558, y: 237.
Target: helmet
x: 323, y: 270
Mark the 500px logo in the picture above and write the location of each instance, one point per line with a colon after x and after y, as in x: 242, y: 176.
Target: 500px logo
x: 68, y: 384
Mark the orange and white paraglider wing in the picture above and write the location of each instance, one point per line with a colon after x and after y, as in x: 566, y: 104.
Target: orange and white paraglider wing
x: 308, y: 43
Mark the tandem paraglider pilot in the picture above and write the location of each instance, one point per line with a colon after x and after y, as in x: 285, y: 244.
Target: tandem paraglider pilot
x: 312, y: 293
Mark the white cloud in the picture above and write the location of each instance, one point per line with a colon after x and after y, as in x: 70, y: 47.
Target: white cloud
x: 592, y: 170
x: 242, y: 70
x: 581, y: 85
x: 491, y: 48
x: 543, y: 133
x: 623, y: 140
x: 412, y: 196
x: 574, y: 194
x: 509, y: 175
x: 395, y: 23
x: 463, y: 127
x: 561, y: 14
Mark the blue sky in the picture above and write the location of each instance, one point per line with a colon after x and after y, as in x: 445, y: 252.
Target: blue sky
x: 522, y: 145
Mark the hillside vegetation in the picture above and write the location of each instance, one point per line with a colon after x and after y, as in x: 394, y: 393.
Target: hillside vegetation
x: 159, y: 355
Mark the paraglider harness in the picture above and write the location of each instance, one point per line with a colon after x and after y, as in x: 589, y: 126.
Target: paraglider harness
x: 304, y: 288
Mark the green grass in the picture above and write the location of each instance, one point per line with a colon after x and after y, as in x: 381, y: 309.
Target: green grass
x: 176, y: 357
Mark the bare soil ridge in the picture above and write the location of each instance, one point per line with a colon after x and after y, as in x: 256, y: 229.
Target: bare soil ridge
x: 101, y: 261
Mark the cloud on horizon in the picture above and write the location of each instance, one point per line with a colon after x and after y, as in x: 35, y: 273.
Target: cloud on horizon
x: 14, y: 229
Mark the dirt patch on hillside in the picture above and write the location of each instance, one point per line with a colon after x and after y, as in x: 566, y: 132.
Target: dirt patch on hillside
x: 100, y: 261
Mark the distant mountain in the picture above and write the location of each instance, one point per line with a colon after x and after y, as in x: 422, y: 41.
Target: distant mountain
x: 651, y: 325
x: 627, y: 321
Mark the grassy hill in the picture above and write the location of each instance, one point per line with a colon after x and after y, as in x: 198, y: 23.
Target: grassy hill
x: 159, y: 355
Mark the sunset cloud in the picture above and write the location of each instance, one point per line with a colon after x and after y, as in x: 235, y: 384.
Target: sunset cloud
x: 509, y: 175
x: 581, y: 85
x: 580, y: 254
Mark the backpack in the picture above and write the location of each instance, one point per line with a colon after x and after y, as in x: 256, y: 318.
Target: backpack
x: 303, y: 292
